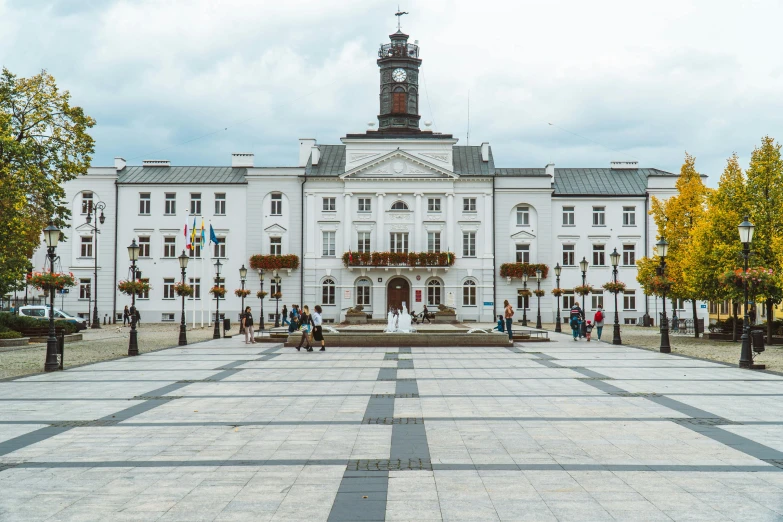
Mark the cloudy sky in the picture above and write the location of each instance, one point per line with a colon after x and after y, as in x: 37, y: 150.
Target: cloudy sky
x: 571, y: 82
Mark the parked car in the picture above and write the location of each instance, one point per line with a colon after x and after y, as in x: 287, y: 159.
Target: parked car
x: 42, y: 312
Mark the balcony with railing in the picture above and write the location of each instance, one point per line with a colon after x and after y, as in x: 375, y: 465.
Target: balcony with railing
x: 398, y: 50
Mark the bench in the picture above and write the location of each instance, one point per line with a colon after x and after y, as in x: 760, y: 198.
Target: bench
x: 41, y: 331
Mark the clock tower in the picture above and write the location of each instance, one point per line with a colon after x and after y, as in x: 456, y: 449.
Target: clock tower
x: 399, y: 67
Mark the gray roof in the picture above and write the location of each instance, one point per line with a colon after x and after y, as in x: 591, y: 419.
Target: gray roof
x: 603, y: 182
x: 524, y: 173
x: 467, y: 161
x: 331, y: 163
x: 182, y: 175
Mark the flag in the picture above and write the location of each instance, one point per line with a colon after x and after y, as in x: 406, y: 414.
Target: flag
x: 203, y: 233
x: 193, y: 234
x: 187, y: 237
x: 350, y: 257
x: 212, y: 237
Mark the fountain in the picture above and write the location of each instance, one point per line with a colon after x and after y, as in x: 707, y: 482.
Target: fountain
x: 399, y: 323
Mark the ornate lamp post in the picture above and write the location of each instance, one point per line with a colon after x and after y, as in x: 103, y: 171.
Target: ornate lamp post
x: 524, y: 305
x: 261, y: 318
x: 242, y: 279
x: 183, y: 265
x: 662, y: 248
x: 133, y: 345
x: 615, y: 257
x: 96, y: 322
x: 583, y: 267
x: 558, y: 270
x: 276, y: 279
x: 538, y: 297
x: 216, y: 332
x: 52, y: 237
x: 746, y: 229
x: 29, y: 274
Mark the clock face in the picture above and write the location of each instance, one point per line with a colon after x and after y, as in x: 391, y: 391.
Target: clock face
x: 399, y: 75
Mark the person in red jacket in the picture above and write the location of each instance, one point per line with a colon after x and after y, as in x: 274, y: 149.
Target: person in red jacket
x: 598, y: 322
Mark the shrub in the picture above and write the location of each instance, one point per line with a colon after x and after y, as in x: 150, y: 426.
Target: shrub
x: 21, y: 322
x: 10, y: 334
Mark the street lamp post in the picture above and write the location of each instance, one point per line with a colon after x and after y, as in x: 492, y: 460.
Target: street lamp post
x: 615, y: 257
x: 746, y: 229
x: 52, y: 237
x: 662, y: 248
x: 29, y: 274
x: 524, y: 297
x: 96, y: 322
x: 216, y: 332
x: 538, y: 297
x: 261, y: 278
x: 277, y: 301
x: 183, y: 265
x: 242, y: 278
x: 583, y: 267
x: 558, y: 270
x: 133, y: 345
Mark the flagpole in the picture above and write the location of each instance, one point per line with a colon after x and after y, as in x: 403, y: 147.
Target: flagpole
x: 209, y: 271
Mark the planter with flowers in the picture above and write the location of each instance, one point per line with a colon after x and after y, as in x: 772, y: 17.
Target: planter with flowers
x: 48, y: 280
x: 261, y: 294
x: 277, y: 295
x: 270, y: 262
x: 130, y: 287
x: 239, y: 292
x: 524, y: 292
x: 557, y: 292
x: 539, y: 293
x: 183, y: 290
x: 218, y: 291
x: 583, y: 290
x: 614, y: 287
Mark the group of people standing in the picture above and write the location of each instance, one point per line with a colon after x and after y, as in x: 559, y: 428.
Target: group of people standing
x: 297, y: 320
x: 584, y: 328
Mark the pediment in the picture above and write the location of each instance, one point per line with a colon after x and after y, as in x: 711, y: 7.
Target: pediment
x: 522, y: 234
x: 398, y: 164
x: 275, y: 229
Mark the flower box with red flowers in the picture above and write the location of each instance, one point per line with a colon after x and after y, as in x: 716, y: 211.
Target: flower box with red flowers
x: 131, y: 287
x: 269, y: 262
x: 407, y: 259
x: 48, y: 280
x: 518, y: 269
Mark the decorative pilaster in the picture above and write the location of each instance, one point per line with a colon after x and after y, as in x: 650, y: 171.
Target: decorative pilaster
x: 311, y: 222
x: 488, y: 225
x: 450, y: 219
x: 380, y: 216
x: 347, y: 221
x: 418, y: 230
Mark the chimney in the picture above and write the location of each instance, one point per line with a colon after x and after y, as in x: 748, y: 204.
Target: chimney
x: 240, y: 159
x: 305, y: 146
x: 550, y: 169
x: 316, y: 154
x: 485, y: 151
x: 119, y: 163
x: 620, y: 165
x: 156, y: 163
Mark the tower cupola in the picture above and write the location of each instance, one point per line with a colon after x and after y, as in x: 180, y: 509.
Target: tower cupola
x: 399, y: 97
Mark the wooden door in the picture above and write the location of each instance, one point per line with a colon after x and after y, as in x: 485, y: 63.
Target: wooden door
x: 399, y: 291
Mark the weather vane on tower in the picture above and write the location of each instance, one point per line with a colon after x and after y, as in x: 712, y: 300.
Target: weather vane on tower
x: 399, y: 14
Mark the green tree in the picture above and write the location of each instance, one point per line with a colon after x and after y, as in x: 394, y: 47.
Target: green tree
x: 43, y: 143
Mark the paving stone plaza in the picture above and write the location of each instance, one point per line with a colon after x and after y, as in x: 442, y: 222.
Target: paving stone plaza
x: 221, y: 430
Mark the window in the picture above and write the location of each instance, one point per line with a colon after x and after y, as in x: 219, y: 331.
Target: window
x: 86, y: 202
x: 169, y: 247
x: 399, y: 242
x: 630, y: 320
x: 469, y: 244
x: 196, y: 284
x: 523, y: 253
x: 144, y: 203
x: 724, y: 307
x: 399, y: 205
x: 599, y: 258
x: 523, y: 303
x: 679, y: 304
x: 364, y: 242
x: 568, y: 216
x: 220, y: 204
x: 713, y: 307
x: 629, y: 216
x: 568, y: 299
x: 433, y: 292
x: 523, y: 216
x: 399, y: 103
x: 629, y: 255
x: 167, y: 318
x: 433, y: 204
x: 170, y: 204
x: 365, y: 205
x: 329, y: 204
x: 144, y: 246
x: 220, y: 247
x: 328, y: 240
x: 86, y: 250
x: 220, y: 281
x: 599, y: 216
x: 363, y: 287
x: 146, y: 293
x: 195, y: 252
x: 85, y: 286
x: 274, y: 288
x: 468, y: 204
x: 277, y: 205
x: 469, y: 293
x: 597, y: 299
x: 328, y: 291
x: 433, y: 242
x: 168, y: 289
x: 629, y: 300
x: 195, y: 204
x: 276, y: 246
x: 568, y: 255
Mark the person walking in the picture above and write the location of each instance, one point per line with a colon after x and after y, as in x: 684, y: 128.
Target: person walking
x: 285, y: 316
x: 588, y: 330
x: 247, y: 324
x: 575, y: 320
x: 598, y: 321
x: 318, y: 334
x: 126, y: 316
x: 425, y: 315
x: 508, y: 314
x: 138, y: 317
x: 306, y: 327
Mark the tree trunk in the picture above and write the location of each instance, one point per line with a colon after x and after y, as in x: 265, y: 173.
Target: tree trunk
x: 735, y: 307
x: 695, y: 321
x: 770, y: 319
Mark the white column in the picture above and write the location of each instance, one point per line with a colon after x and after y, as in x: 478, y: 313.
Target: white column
x: 347, y: 222
x: 488, y: 225
x: 380, y: 215
x: 310, y: 224
x: 450, y: 224
x: 418, y: 228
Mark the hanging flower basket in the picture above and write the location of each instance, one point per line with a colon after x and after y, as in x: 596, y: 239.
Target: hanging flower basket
x: 614, y: 288
x: 557, y: 292
x: 524, y: 292
x: 761, y: 281
x: 218, y: 291
x: 261, y: 294
x: 583, y: 289
x: 183, y: 289
x: 539, y: 293
x: 133, y: 287
x: 517, y: 269
x: 269, y: 262
x: 241, y: 293
x: 277, y: 295
x: 48, y: 280
x: 659, y: 285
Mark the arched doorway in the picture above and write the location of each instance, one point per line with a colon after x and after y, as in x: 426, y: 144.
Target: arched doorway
x: 398, y: 292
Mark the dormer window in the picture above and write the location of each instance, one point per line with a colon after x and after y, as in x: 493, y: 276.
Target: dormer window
x: 399, y: 205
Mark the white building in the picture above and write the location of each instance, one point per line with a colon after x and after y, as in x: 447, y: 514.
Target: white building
x: 397, y: 189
